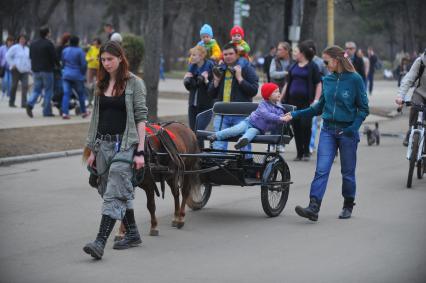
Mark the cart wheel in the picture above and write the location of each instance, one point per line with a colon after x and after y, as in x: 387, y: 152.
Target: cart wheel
x: 420, y: 169
x: 274, y: 197
x: 77, y: 110
x: 199, y: 196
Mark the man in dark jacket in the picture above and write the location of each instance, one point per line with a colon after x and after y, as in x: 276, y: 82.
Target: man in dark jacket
x: 234, y: 81
x: 267, y: 63
x: 43, y: 61
x: 358, y: 63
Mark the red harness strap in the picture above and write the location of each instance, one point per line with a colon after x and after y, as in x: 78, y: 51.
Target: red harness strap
x: 149, y: 131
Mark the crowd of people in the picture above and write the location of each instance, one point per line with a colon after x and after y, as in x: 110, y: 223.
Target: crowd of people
x: 63, y: 75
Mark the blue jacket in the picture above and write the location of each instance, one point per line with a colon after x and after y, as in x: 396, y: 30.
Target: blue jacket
x: 343, y: 102
x: 267, y: 116
x: 74, y: 62
x: 243, y: 92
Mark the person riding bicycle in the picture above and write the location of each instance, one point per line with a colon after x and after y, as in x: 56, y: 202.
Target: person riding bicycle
x: 416, y: 78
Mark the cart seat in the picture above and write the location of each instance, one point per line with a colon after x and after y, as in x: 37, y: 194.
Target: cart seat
x: 264, y: 139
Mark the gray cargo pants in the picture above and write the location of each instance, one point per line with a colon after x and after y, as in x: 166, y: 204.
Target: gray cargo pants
x: 115, y: 186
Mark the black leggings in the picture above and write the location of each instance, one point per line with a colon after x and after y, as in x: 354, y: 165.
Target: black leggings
x: 302, y: 135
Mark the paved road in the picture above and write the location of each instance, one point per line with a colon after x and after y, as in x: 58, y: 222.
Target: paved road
x: 48, y: 212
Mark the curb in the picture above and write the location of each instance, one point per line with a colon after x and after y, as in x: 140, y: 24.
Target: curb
x: 37, y: 157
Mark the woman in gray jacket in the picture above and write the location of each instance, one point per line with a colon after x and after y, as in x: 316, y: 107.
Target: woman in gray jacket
x: 281, y: 64
x: 115, y: 143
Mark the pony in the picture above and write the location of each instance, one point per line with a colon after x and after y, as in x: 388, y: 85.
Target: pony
x: 178, y: 139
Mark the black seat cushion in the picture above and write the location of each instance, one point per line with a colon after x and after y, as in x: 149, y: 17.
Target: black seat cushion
x: 264, y: 139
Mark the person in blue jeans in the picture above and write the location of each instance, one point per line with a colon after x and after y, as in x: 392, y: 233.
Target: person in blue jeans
x: 73, y: 75
x: 266, y: 117
x: 233, y: 81
x: 344, y: 106
x: 43, y: 62
x: 6, y: 82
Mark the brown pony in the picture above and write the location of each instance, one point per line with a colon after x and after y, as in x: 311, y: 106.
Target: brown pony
x: 185, y: 142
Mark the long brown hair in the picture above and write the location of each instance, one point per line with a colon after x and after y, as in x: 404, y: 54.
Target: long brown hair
x: 336, y: 52
x: 122, y: 75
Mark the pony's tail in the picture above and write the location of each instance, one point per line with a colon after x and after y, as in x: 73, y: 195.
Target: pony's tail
x: 86, y: 154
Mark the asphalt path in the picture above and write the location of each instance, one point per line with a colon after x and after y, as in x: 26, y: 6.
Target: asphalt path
x: 48, y: 212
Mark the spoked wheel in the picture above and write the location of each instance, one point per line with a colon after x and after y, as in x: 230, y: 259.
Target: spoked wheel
x: 274, y: 196
x: 413, y: 158
x: 199, y: 196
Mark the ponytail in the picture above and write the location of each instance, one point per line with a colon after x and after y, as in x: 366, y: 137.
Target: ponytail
x: 336, y: 52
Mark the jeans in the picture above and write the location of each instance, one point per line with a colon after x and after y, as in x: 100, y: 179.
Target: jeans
x: 42, y: 80
x: 330, y: 140
x: 302, y: 135
x: 6, y: 83
x: 370, y: 79
x: 314, y: 129
x: 228, y: 121
x: 68, y: 85
x: 16, y: 77
x: 243, y: 127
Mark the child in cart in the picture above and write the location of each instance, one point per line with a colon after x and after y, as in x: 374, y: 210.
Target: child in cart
x: 266, y: 117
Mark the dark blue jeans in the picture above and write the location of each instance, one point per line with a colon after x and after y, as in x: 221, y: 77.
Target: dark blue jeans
x: 68, y: 85
x: 330, y: 140
x: 42, y: 81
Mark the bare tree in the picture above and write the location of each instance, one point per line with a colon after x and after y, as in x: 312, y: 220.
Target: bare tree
x: 153, y: 43
x: 70, y: 16
x: 310, y: 8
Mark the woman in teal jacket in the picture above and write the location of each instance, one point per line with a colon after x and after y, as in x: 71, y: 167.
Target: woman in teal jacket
x: 344, y: 106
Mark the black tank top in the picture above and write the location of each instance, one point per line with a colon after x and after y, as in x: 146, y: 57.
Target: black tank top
x: 112, y: 115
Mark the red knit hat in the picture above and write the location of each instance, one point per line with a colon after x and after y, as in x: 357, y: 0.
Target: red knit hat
x: 267, y: 90
x: 237, y: 30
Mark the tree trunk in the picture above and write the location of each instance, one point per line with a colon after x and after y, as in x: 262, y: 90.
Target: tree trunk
x: 70, y: 16
x: 310, y: 8
x: 153, y: 43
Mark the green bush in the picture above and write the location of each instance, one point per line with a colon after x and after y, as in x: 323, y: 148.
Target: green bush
x: 134, y: 47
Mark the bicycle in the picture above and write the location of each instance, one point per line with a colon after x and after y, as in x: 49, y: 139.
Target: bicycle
x: 416, y: 152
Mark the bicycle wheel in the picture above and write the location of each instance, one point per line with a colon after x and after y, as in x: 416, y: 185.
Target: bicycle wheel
x: 413, y: 158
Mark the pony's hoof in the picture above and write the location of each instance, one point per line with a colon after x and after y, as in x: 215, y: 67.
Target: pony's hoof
x: 180, y: 225
x: 174, y: 223
x: 154, y: 232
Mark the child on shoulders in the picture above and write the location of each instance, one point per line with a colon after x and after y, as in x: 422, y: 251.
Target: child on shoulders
x: 213, y: 50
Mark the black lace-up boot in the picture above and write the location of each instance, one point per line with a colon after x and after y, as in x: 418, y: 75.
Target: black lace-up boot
x: 132, y: 237
x: 348, y: 206
x: 310, y: 212
x: 96, y: 248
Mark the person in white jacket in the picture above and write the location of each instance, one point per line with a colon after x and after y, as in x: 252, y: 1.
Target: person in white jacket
x: 415, y: 77
x: 18, y: 59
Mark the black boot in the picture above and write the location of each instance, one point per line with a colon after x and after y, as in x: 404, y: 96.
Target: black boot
x: 132, y: 237
x: 348, y: 206
x: 310, y: 212
x: 242, y: 142
x: 212, y: 138
x: 96, y: 248
x: 407, y: 138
